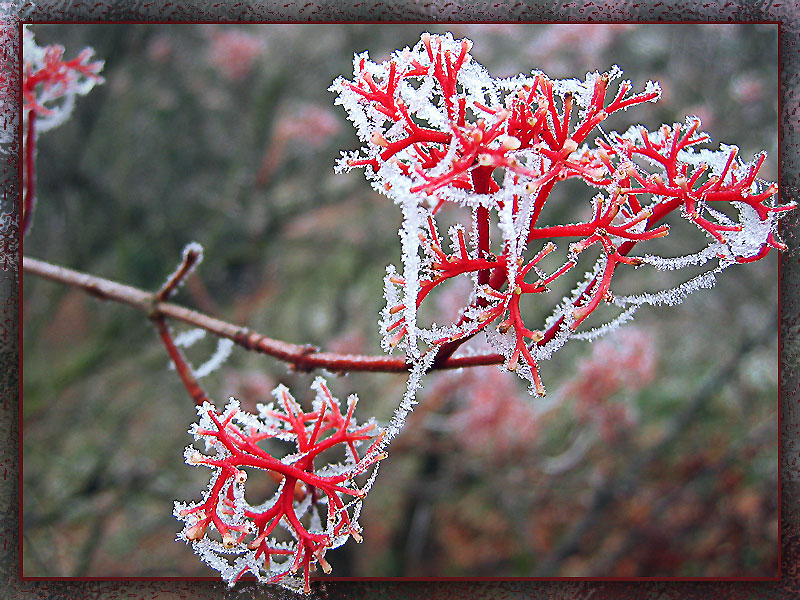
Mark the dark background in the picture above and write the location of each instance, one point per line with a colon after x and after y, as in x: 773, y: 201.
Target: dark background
x: 174, y: 148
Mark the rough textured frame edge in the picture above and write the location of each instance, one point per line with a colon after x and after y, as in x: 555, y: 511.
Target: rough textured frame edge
x: 788, y: 15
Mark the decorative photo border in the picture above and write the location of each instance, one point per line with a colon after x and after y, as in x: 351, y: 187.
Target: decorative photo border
x: 397, y: 10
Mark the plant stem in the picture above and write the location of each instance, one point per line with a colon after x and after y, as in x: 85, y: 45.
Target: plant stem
x: 30, y: 173
x: 302, y: 357
x: 181, y: 366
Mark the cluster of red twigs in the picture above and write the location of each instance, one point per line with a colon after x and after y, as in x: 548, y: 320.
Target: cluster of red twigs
x: 437, y: 130
x: 309, y: 502
x: 49, y: 86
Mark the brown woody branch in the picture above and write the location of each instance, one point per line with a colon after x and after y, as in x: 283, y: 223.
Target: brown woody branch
x: 302, y: 357
x: 192, y: 254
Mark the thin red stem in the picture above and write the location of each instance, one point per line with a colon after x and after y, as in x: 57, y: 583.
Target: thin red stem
x: 30, y: 172
x: 181, y: 366
x: 481, y: 178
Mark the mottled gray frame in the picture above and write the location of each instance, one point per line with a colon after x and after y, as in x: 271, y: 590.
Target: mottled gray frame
x: 788, y: 15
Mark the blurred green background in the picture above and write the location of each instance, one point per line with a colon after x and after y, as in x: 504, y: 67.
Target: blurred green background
x: 225, y: 135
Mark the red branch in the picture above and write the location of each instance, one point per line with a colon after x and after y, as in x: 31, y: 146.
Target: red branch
x: 30, y: 173
x: 181, y: 366
x: 301, y: 357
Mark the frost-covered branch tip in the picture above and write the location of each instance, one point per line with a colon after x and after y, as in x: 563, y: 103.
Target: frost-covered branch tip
x: 315, y: 505
x: 50, y: 85
x: 437, y: 130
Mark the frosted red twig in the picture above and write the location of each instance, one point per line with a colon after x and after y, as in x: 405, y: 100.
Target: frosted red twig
x: 49, y: 87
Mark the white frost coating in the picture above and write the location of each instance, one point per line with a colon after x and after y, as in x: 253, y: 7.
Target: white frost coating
x: 671, y: 264
x: 409, y: 238
x: 749, y: 240
x: 514, y: 243
x: 409, y: 397
x: 596, y: 332
x: 675, y: 295
x: 186, y: 339
x: 224, y: 349
x: 653, y: 87
x: 714, y: 159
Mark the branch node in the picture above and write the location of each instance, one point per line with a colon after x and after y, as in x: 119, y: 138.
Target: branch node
x: 243, y: 338
x: 302, y: 365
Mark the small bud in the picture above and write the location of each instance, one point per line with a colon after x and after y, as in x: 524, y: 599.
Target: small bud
x: 241, y: 477
x: 656, y: 179
x: 509, y: 142
x: 255, y: 544
x: 512, y: 363
x: 378, y: 139
x: 570, y: 145
x: 324, y: 564
x: 485, y: 160
x: 635, y: 261
x: 197, y: 531
x: 539, y: 387
x: 229, y: 541
x: 397, y: 337
x: 485, y: 316
x: 579, y: 314
x: 578, y: 247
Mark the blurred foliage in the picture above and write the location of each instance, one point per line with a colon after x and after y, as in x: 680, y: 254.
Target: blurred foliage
x: 226, y: 135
